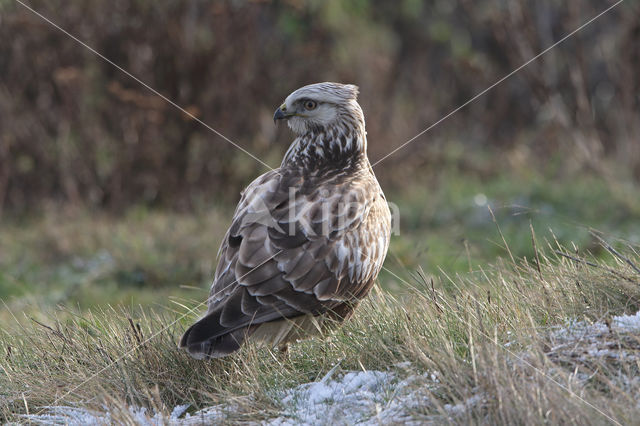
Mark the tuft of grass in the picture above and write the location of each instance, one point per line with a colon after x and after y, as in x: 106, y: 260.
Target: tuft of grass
x: 486, y: 334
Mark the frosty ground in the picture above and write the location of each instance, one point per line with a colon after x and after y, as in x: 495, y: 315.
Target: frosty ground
x: 385, y: 397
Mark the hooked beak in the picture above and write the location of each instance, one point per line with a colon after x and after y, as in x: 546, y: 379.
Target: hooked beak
x: 281, y: 114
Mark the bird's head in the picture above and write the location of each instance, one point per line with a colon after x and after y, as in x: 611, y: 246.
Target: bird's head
x: 321, y: 106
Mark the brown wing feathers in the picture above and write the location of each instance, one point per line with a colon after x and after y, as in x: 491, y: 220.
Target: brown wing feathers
x: 272, y: 275
x: 267, y: 274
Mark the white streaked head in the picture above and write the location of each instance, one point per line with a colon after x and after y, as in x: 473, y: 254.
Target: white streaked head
x: 320, y: 106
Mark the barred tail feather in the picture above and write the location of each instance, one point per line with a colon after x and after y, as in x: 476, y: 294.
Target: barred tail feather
x: 202, y: 341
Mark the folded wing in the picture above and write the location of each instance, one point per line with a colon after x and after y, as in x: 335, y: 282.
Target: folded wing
x: 295, y: 247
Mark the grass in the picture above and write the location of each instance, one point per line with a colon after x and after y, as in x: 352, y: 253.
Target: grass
x: 86, y: 259
x: 449, y: 226
x: 485, y: 334
x: 94, y: 304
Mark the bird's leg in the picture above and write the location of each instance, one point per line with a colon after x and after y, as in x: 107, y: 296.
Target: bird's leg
x: 284, y: 350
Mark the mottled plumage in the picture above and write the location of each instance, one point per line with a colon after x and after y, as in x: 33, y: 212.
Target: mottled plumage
x: 307, y: 240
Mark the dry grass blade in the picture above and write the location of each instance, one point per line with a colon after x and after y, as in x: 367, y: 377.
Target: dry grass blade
x: 615, y: 252
x: 595, y: 265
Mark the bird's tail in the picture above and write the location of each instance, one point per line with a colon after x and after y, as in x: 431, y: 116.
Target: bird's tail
x: 201, y: 340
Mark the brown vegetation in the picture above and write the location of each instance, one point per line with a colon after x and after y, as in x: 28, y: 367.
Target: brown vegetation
x: 75, y: 129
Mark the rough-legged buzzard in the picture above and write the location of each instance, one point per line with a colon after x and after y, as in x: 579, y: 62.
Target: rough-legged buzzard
x: 307, y: 239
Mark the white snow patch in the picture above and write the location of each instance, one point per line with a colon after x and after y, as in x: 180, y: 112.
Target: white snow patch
x: 65, y: 415
x: 614, y: 346
x: 363, y: 398
x: 178, y: 410
x: 75, y: 416
x: 464, y: 407
x: 596, y: 335
x: 628, y: 322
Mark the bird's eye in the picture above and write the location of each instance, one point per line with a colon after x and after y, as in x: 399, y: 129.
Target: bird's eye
x: 309, y: 105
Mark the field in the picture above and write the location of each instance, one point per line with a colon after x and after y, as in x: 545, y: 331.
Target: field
x: 511, y: 290
x: 94, y: 305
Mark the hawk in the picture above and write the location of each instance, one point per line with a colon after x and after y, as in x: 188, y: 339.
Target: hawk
x: 307, y: 239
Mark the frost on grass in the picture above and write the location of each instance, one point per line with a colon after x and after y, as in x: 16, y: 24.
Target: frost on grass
x: 371, y: 397
x: 464, y: 407
x: 611, y: 347
x: 75, y: 416
x: 355, y: 398
x: 617, y: 338
x: 384, y: 397
x: 628, y: 322
x: 364, y: 397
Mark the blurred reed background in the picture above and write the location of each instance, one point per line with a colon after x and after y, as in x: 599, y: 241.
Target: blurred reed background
x: 76, y: 130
